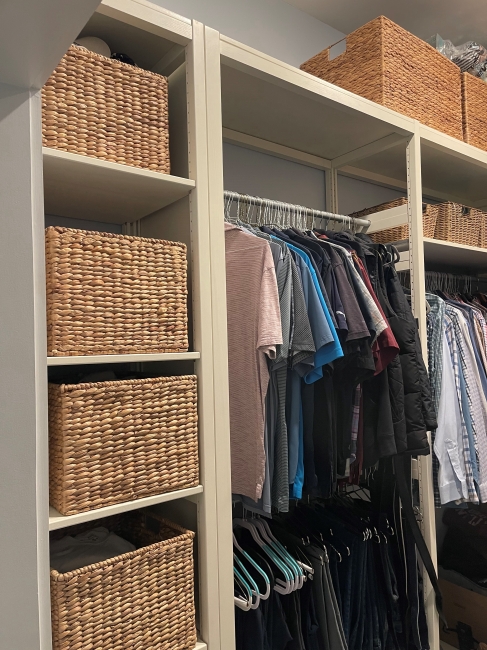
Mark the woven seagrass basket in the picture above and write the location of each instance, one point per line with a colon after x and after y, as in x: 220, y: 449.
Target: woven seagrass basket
x: 388, y: 65
x: 401, y: 232
x: 474, y: 99
x: 100, y: 107
x: 117, y: 441
x: 459, y: 224
x: 142, y: 599
x: 483, y: 231
x: 114, y: 294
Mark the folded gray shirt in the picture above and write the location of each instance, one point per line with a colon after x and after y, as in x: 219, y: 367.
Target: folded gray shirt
x: 70, y: 553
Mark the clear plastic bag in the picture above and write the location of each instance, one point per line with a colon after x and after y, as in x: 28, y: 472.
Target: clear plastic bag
x: 469, y: 57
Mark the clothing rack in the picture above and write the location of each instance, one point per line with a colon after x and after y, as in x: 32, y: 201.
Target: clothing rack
x: 259, y: 211
x: 447, y: 282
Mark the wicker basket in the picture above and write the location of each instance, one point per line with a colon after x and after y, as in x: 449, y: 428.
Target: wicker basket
x: 117, y: 441
x: 114, y: 294
x: 100, y: 107
x: 398, y: 233
x: 483, y: 230
x: 474, y: 95
x: 142, y: 599
x: 459, y: 224
x: 390, y: 66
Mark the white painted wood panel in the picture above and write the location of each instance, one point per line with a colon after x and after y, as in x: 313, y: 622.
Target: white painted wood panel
x: 81, y: 187
x: 56, y: 520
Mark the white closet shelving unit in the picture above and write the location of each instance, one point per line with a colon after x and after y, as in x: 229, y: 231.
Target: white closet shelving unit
x: 274, y: 108
x: 219, y: 90
x: 155, y: 205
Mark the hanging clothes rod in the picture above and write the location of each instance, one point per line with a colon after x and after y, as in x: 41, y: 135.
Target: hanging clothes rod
x: 297, y: 210
x: 447, y: 282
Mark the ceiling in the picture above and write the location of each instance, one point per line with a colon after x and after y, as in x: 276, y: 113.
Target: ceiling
x: 457, y: 20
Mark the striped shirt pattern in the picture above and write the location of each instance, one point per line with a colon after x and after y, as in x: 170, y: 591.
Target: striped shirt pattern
x: 455, y: 360
x: 436, y: 327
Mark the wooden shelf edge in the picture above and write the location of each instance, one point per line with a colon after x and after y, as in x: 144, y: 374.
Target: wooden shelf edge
x: 57, y: 520
x: 122, y: 358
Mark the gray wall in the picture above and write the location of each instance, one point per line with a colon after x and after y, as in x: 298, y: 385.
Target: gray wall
x: 251, y: 172
x: 82, y: 224
x: 354, y: 195
x: 271, y: 26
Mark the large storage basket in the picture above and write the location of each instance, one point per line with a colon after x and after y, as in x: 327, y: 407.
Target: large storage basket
x: 398, y: 233
x: 100, y: 107
x: 474, y: 98
x: 392, y: 67
x: 114, y: 294
x: 118, y: 441
x: 483, y: 230
x: 459, y: 224
x: 143, y: 599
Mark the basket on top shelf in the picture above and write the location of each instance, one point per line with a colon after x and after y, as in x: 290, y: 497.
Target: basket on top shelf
x: 388, y: 65
x: 117, y: 441
x: 114, y: 294
x: 142, y: 599
x: 401, y: 232
x: 474, y: 99
x: 100, y: 107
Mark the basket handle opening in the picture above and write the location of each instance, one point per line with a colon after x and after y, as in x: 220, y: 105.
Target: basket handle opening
x: 338, y: 48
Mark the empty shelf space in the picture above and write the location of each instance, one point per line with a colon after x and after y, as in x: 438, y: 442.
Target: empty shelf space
x: 453, y: 170
x: 471, y: 259
x: 122, y: 358
x: 57, y: 520
x: 81, y: 187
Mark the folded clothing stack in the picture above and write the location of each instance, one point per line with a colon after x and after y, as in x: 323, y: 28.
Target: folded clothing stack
x: 90, y: 547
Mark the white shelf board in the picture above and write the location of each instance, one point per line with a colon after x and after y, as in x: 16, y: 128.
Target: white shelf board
x: 200, y: 645
x: 122, y: 358
x: 265, y: 98
x: 446, y: 253
x: 81, y: 187
x: 388, y: 218
x: 57, y: 520
x: 147, y: 18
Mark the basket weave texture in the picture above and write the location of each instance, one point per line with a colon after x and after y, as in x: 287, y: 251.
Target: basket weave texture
x: 459, y: 224
x: 117, y: 441
x: 390, y: 66
x: 398, y: 233
x: 114, y: 294
x: 100, y: 107
x: 474, y: 99
x: 142, y: 599
x: 483, y: 230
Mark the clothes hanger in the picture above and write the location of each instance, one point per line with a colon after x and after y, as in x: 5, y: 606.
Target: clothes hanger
x: 242, y: 603
x: 281, y: 550
x: 254, y: 589
x: 282, y: 586
x: 259, y: 570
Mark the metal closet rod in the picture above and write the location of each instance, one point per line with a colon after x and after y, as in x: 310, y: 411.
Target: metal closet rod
x: 279, y: 205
